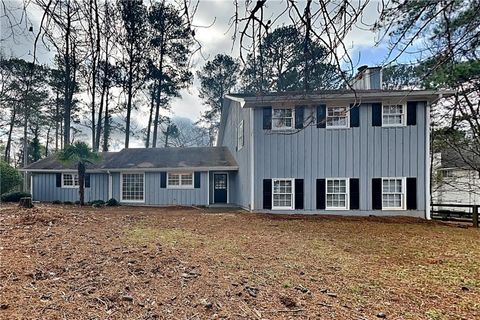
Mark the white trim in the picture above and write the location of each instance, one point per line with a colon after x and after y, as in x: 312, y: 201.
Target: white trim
x: 347, y: 194
x: 404, y: 115
x: 181, y: 186
x: 252, y: 160
x: 427, y: 162
x: 121, y: 188
x: 228, y: 185
x: 293, y: 194
x: 347, y: 117
x: 404, y: 195
x: 73, y: 186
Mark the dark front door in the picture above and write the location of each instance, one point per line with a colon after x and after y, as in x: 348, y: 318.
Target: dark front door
x: 220, y: 187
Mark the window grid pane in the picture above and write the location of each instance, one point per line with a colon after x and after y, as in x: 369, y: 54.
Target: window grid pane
x: 282, y: 194
x: 393, y: 114
x: 392, y: 193
x: 282, y: 118
x: 132, y: 186
x: 70, y: 180
x: 337, y: 193
x: 337, y: 116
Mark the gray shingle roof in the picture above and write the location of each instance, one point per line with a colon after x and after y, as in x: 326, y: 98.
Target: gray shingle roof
x: 452, y: 159
x: 152, y: 158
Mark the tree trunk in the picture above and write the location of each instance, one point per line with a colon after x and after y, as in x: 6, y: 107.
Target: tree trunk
x: 106, y: 122
x: 152, y: 105
x: 158, y: 101
x: 129, y: 102
x: 57, y: 117
x: 81, y: 182
x: 8, y: 146
x: 67, y: 106
x: 47, y: 142
x: 25, y: 202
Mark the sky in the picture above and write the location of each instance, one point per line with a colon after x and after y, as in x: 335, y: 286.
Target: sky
x: 212, y: 30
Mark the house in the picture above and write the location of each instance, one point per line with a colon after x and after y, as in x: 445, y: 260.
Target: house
x: 454, y: 180
x: 355, y: 152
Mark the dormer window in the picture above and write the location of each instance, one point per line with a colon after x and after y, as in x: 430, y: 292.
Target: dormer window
x: 283, y: 119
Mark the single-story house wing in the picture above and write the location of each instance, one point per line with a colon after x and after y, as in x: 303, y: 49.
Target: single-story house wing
x: 153, y: 176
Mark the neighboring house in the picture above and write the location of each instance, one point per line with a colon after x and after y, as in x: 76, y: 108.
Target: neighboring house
x: 349, y: 152
x: 454, y: 180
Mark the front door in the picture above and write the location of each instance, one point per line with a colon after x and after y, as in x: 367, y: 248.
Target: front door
x: 220, y: 187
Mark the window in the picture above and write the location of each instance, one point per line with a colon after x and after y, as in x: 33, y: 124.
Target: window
x: 180, y: 180
x: 337, y: 194
x: 70, y: 180
x: 393, y: 193
x: 337, y: 117
x: 132, y: 187
x: 447, y: 173
x: 393, y: 115
x: 282, y: 194
x: 282, y: 119
x: 240, y: 138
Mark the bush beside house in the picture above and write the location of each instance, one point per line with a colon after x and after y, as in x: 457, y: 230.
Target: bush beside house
x: 10, y: 179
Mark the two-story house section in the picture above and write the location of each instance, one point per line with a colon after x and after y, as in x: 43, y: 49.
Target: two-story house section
x: 357, y: 152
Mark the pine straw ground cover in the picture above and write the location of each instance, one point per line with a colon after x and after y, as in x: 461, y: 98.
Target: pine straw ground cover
x: 150, y: 263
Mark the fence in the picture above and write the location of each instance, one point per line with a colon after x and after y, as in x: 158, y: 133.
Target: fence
x: 456, y: 212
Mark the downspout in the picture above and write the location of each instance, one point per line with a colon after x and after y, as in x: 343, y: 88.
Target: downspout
x: 427, y: 161
x: 31, y: 185
x: 252, y: 159
x: 110, y: 185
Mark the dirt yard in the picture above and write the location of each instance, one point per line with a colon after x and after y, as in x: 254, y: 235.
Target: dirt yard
x: 64, y: 262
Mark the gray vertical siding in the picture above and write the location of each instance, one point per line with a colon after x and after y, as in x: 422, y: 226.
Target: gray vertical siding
x: 154, y: 195
x: 240, y: 182
x: 45, y: 189
x: 365, y: 152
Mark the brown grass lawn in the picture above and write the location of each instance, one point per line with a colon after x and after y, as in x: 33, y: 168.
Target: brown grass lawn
x: 151, y: 263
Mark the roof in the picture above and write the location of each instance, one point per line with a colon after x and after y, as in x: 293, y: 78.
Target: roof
x: 363, y: 96
x: 151, y: 159
x: 453, y: 159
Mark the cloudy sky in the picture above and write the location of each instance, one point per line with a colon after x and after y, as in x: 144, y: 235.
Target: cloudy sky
x: 216, y: 38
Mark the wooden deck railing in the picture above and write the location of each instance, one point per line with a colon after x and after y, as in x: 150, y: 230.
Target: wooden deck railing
x: 456, y: 212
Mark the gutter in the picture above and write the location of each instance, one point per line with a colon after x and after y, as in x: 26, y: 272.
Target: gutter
x: 106, y: 170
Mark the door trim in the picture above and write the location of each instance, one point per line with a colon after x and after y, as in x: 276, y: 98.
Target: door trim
x: 228, y: 185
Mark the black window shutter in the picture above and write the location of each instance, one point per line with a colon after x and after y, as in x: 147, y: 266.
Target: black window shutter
x: 376, y: 114
x: 196, y: 179
x: 354, y: 115
x: 267, y: 118
x: 321, y: 116
x: 299, y: 111
x: 377, y: 194
x: 354, y: 194
x: 321, y: 194
x: 59, y: 180
x: 411, y: 113
x: 411, y: 193
x: 267, y: 193
x: 298, y: 193
x: 163, y: 179
x: 87, y: 180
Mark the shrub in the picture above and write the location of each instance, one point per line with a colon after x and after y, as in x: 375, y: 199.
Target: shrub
x: 97, y: 205
x: 57, y: 202
x: 112, y: 202
x: 14, y: 196
x: 9, y: 178
x: 97, y: 202
x: 67, y: 202
x: 77, y: 202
